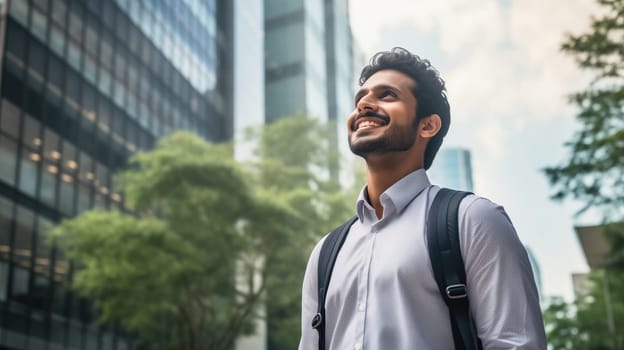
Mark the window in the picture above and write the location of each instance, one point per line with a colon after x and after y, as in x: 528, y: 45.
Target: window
x: 9, y: 118
x: 122, y: 27
x: 36, y: 59
x: 90, y: 69
x: 16, y: 42
x: 107, y: 13
x: 74, y: 55
x: 47, y: 190
x: 91, y: 40
x: 66, y: 194
x: 51, y: 148
x: 6, y: 216
x: 106, y: 52
x: 75, y: 26
x: 57, y: 41
x: 104, y: 119
x: 86, y: 169
x: 105, y: 81
x: 93, y: 6
x: 84, y: 198
x: 31, y: 134
x: 42, y: 5
x: 120, y: 94
x: 88, y: 103
x: 69, y: 157
x: 120, y: 67
x: 25, y: 221
x: 8, y: 159
x: 55, y: 74
x: 19, y: 11
x: 72, y: 89
x: 39, y: 25
x: 59, y: 10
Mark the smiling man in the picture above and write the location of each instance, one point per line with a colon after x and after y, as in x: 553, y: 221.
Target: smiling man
x: 382, y: 294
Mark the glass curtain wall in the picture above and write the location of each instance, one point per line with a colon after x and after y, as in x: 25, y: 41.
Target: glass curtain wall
x: 84, y: 85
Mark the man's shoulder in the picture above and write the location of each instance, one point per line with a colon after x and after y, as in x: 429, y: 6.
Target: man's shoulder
x: 476, y: 206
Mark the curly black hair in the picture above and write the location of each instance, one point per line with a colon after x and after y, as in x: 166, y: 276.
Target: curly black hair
x: 429, y: 89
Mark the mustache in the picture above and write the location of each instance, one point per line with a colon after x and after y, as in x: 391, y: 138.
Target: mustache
x: 367, y: 114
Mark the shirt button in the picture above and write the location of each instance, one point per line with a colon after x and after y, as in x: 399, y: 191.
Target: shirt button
x: 360, y: 307
x: 358, y: 346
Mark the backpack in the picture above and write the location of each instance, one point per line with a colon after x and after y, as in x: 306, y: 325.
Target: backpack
x: 446, y: 260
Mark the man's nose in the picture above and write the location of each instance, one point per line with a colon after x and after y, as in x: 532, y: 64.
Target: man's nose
x: 366, y: 103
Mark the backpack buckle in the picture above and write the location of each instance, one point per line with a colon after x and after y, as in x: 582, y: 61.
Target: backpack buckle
x: 317, y: 321
x: 456, y: 291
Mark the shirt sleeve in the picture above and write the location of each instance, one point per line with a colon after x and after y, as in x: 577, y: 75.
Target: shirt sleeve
x: 503, y: 297
x: 309, y: 301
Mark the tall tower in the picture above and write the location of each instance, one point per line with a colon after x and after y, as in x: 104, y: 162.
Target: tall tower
x: 295, y: 58
x: 84, y: 84
x: 452, y: 168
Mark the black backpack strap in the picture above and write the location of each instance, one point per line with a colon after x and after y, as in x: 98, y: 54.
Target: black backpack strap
x: 327, y: 258
x: 448, y: 265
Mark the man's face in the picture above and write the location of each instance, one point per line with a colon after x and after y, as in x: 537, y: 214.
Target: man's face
x: 384, y: 119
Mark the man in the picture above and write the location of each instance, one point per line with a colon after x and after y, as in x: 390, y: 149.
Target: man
x: 382, y: 293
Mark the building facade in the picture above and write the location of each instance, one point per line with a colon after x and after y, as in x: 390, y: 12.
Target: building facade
x: 452, y: 168
x: 84, y: 84
x: 309, y: 63
x: 295, y: 58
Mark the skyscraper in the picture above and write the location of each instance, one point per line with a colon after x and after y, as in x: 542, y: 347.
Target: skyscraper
x: 452, y: 168
x: 84, y: 84
x: 309, y: 62
x: 296, y: 72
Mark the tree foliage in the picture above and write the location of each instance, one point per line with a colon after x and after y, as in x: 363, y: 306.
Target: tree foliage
x: 585, y: 324
x: 594, y: 173
x: 186, y: 267
x: 208, y: 245
x: 292, y: 167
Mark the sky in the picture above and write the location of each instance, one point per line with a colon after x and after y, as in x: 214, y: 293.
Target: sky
x: 507, y: 83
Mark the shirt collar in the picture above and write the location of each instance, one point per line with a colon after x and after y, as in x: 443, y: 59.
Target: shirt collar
x: 395, y: 198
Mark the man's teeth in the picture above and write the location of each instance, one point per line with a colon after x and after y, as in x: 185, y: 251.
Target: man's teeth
x: 367, y: 124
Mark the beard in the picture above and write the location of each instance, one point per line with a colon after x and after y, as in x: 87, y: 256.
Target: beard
x: 393, y: 139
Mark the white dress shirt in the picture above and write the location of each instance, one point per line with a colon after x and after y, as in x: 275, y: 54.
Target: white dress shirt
x: 383, y: 296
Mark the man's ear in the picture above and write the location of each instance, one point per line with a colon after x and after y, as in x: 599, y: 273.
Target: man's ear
x: 429, y: 126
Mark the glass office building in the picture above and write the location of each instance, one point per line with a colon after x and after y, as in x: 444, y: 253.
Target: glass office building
x: 309, y: 63
x: 295, y: 58
x: 84, y: 84
x: 340, y: 78
x: 452, y: 168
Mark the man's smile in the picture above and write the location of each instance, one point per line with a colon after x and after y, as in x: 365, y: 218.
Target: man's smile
x: 369, y: 120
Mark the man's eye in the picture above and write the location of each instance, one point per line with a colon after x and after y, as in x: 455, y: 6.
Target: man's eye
x: 387, y: 93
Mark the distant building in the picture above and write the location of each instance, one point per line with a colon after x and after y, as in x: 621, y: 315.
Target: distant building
x: 581, y: 285
x: 309, y: 62
x: 452, y: 168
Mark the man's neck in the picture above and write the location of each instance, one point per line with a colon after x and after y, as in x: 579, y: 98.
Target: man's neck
x: 382, y: 174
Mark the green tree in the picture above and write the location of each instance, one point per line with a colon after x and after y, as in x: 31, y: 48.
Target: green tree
x: 594, y: 175
x: 187, y: 266
x: 293, y: 159
x: 584, y: 324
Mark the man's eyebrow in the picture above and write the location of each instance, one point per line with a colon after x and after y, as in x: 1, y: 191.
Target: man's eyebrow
x: 363, y: 91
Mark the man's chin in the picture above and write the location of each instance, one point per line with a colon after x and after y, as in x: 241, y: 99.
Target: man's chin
x: 363, y: 148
